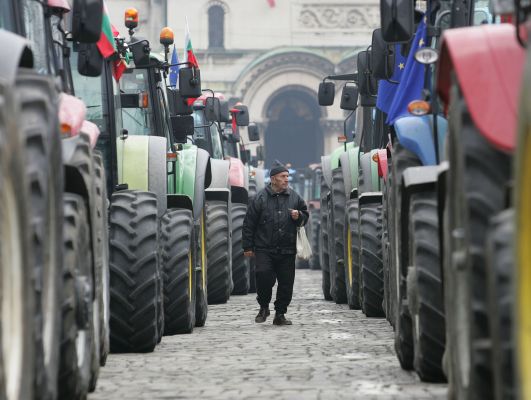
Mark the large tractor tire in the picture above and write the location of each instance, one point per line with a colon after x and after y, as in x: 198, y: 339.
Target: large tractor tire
x: 201, y: 299
x: 323, y: 242
x: 315, y: 229
x: 219, y: 271
x: 37, y: 101
x: 240, y: 265
x: 424, y: 285
x: 77, y: 338
x: 386, y: 249
x: 17, y: 294
x: 402, y: 159
x: 103, y: 244
x: 134, y: 267
x: 500, y: 262
x: 371, y: 266
x: 177, y: 238
x: 337, y: 263
x: 352, y: 248
x: 476, y: 191
x: 252, y: 189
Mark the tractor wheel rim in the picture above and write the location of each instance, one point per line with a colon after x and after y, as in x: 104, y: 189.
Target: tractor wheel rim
x: 51, y: 266
x: 12, y: 296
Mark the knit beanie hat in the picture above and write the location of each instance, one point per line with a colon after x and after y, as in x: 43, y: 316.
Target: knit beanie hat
x: 277, y: 168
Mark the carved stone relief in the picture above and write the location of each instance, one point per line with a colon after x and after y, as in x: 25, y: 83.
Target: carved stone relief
x: 349, y: 17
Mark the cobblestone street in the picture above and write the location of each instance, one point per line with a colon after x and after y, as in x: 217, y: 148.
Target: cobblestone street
x: 330, y: 352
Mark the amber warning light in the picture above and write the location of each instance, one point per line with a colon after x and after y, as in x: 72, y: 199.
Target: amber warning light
x: 166, y: 36
x: 131, y: 18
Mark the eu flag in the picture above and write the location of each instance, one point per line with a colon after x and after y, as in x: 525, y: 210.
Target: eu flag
x: 387, y: 88
x: 174, y: 70
x: 412, y: 82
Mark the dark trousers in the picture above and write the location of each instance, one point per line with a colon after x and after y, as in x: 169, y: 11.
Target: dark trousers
x: 271, y: 267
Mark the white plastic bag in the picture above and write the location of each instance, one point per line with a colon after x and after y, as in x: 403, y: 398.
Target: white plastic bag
x: 304, y: 250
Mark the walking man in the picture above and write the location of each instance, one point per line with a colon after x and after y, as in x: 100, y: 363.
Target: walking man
x: 270, y: 235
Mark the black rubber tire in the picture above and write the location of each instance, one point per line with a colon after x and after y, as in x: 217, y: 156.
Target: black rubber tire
x: 177, y: 238
x: 338, y: 200
x: 315, y: 229
x: 476, y: 191
x: 219, y: 272
x: 424, y: 285
x: 352, y: 256
x: 371, y: 265
x: 401, y: 159
x: 201, y: 262
x: 240, y: 265
x: 39, y: 124
x: 15, y: 203
x: 323, y: 240
x: 252, y: 189
x: 74, y: 379
x: 500, y: 283
x: 134, y: 258
x: 103, y: 244
x: 386, y: 248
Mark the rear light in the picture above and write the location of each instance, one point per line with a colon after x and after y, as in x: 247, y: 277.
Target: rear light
x: 419, y: 107
x: 342, y: 139
x: 143, y: 100
x: 375, y: 157
x: 171, y: 156
x: 66, y: 130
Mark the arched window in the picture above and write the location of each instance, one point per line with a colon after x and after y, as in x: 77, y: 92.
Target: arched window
x: 216, y: 27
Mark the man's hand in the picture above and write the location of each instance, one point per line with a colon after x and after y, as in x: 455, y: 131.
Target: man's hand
x: 248, y: 253
x: 294, y: 214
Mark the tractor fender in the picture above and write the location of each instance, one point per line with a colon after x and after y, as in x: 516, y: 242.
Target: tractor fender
x: 19, y: 54
x: 239, y: 195
x: 142, y: 165
x: 370, y: 198
x: 203, y: 179
x: 220, y: 174
x: 486, y: 59
x: 416, y: 135
x: 441, y: 201
x: 369, y: 181
x: 236, y: 172
x: 348, y: 162
x: 179, y: 201
x: 92, y: 130
x: 383, y: 166
x: 218, y: 194
x: 327, y: 170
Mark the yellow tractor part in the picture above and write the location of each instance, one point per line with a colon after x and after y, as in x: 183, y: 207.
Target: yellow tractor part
x: 523, y: 265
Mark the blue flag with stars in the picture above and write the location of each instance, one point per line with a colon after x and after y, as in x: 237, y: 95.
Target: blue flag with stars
x: 174, y: 71
x: 412, y: 82
x: 387, y: 88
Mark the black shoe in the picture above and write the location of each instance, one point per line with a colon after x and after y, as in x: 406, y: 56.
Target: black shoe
x: 280, y: 319
x: 262, y: 315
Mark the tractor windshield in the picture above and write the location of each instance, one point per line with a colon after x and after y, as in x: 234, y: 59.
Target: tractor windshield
x: 215, y: 137
x: 137, y: 118
x: 7, y: 16
x: 207, y: 137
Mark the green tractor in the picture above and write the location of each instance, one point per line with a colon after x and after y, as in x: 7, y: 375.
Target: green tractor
x: 157, y: 183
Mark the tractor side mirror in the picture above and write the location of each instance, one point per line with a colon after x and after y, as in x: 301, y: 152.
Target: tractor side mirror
x: 224, y: 111
x: 182, y: 126
x: 367, y: 84
x: 87, y: 17
x: 397, y: 20
x: 349, y: 98
x: 141, y: 51
x: 253, y: 132
x: 178, y: 104
x: 382, y: 57
x: 242, y: 116
x: 260, y: 156
x: 212, y: 109
x: 245, y: 156
x: 190, y: 82
x: 89, y: 60
x: 326, y: 94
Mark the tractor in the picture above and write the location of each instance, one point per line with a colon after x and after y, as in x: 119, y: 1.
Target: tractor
x: 56, y: 334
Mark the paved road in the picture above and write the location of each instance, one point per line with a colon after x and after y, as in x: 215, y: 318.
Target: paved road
x: 330, y: 352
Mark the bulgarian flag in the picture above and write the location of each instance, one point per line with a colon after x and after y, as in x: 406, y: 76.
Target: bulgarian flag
x: 107, y: 45
x: 189, y: 55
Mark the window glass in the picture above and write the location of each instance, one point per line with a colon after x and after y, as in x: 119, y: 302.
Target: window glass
x: 7, y: 17
x: 216, y: 27
x: 137, y: 121
x: 215, y: 137
x: 200, y: 132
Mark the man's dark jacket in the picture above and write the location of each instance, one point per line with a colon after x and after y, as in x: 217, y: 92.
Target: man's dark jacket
x: 268, y: 225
